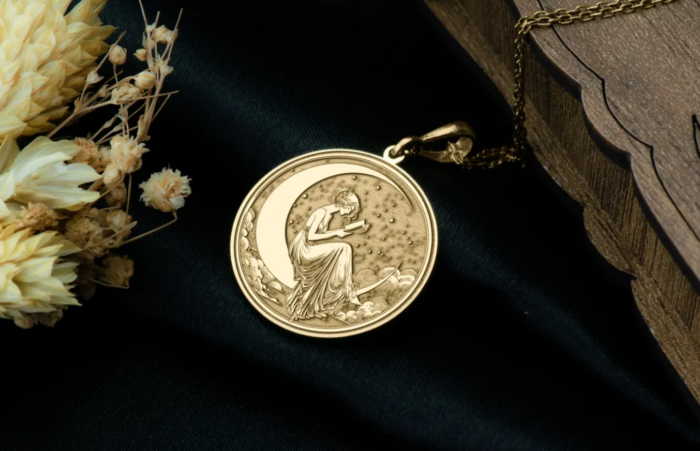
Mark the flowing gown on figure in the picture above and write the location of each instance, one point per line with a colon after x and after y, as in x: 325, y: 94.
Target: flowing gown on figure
x: 323, y: 273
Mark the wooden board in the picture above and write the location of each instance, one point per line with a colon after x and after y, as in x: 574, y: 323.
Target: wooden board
x: 612, y: 108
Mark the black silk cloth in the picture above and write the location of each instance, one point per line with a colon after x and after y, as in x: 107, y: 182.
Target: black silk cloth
x: 523, y: 339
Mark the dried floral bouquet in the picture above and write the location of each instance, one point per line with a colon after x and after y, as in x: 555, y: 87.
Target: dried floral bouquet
x: 64, y: 204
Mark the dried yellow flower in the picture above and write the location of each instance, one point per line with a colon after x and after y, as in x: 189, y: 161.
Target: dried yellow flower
x: 117, y: 55
x: 44, y: 60
x: 37, y: 217
x: 33, y: 277
x: 166, y: 190
x: 117, y: 270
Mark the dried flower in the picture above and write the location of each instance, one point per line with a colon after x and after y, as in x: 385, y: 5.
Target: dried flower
x: 125, y: 154
x: 148, y: 43
x: 104, y: 157
x: 119, y: 221
x: 39, y: 174
x: 117, y: 55
x: 125, y: 93
x: 47, y: 319
x: 37, y: 217
x: 166, y: 190
x: 89, y: 154
x: 111, y: 175
x: 24, y: 322
x: 85, y: 286
x: 93, y: 77
x: 30, y: 320
x: 44, y: 60
x: 33, y: 277
x: 85, y: 232
x: 117, y: 270
x: 162, y: 34
x: 116, y: 197
x: 145, y: 80
x: 104, y: 92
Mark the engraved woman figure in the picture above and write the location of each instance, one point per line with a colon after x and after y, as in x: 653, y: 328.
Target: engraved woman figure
x: 323, y: 271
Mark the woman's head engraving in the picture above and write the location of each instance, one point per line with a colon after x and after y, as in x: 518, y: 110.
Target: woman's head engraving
x: 348, y: 202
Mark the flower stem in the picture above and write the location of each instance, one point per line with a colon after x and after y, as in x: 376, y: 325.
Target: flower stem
x: 128, y: 196
x: 110, y: 189
x: 143, y: 235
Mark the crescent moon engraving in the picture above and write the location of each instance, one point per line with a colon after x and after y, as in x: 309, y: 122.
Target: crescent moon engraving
x: 272, y: 219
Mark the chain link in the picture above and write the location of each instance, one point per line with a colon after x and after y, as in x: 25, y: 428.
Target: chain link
x: 515, y: 152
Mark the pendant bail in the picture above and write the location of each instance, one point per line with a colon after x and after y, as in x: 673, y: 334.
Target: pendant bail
x: 454, y: 151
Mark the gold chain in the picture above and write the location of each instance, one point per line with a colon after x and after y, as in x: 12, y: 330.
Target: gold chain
x: 543, y: 19
x: 515, y: 152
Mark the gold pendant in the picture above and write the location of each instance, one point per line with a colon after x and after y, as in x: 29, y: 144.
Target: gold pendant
x: 336, y: 242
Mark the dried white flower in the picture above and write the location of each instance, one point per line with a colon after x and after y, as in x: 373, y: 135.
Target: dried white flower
x: 89, y: 154
x: 104, y: 156
x: 44, y: 60
x: 125, y: 93
x: 148, y: 43
x: 85, y: 231
x: 126, y: 153
x: 117, y: 55
x: 47, y: 61
x: 166, y: 190
x: 162, y: 34
x: 116, y: 197
x: 93, y: 77
x: 111, y: 175
x: 103, y: 92
x: 145, y: 80
x: 33, y: 278
x: 119, y: 221
x: 40, y: 174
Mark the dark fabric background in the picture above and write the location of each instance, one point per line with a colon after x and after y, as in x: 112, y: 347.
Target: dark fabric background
x: 520, y: 341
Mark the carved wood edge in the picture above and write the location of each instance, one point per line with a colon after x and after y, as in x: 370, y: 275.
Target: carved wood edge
x: 656, y: 305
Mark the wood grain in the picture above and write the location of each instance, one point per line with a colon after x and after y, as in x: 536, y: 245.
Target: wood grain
x: 624, y: 88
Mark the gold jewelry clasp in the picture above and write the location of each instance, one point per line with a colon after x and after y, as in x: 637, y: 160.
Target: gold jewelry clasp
x: 455, y: 152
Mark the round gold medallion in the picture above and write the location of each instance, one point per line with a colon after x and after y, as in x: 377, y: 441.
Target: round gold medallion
x: 334, y: 243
